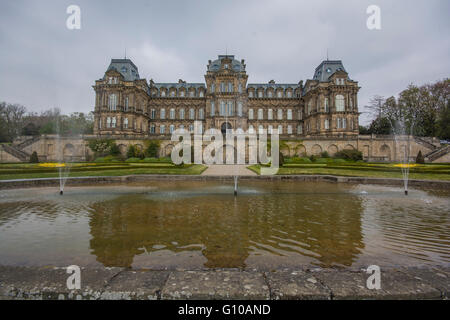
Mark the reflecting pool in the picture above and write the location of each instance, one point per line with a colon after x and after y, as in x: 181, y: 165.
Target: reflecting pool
x: 198, y: 224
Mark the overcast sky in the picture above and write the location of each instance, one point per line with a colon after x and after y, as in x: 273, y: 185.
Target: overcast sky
x: 44, y: 65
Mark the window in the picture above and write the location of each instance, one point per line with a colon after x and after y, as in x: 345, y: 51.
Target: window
x: 269, y: 93
x: 163, y: 93
x: 125, y: 123
x: 344, y: 123
x: 162, y: 114
x: 338, y: 120
x: 340, y: 104
x: 201, y: 114
x: 113, y: 122
x: 289, y: 129
x: 172, y: 128
x: 172, y: 114
x: 270, y: 129
x: 99, y: 123
x: 239, y: 109
x: 300, y: 129
x: 230, y: 110
x: 230, y: 87
x: 260, y: 94
x: 327, y: 108
x: 260, y: 114
x: 126, y: 104
x: 280, y: 129
x: 250, y: 94
x: 240, y: 88
x: 153, y: 114
x: 222, y: 108
x: 261, y: 129
x: 172, y: 93
x: 192, y: 114
x: 213, y: 87
x: 182, y: 93
x: 182, y: 113
x: 200, y: 128
x: 192, y: 93
x: 289, y: 114
x: 300, y: 114
x: 213, y: 111
x: 112, y: 102
x: 251, y: 129
x: 201, y: 93
x: 270, y: 114
x: 280, y: 114
x: 318, y: 125
x: 152, y: 129
x: 162, y: 129
x: 222, y: 87
x: 350, y: 100
x: 250, y: 114
x: 327, y: 124
x: 289, y: 94
x: 108, y: 122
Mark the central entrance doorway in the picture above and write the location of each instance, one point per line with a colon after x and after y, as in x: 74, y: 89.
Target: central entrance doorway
x: 225, y: 126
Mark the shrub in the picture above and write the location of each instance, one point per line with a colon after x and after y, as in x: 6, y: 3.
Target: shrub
x: 34, y: 158
x: 132, y: 152
x: 101, y: 147
x: 281, y: 159
x: 324, y: 154
x: 152, y: 150
x: 420, y: 158
x: 114, y: 149
x: 353, y: 155
x: 312, y: 158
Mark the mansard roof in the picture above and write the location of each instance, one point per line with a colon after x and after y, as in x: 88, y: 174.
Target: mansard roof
x: 235, y: 64
x: 326, y: 69
x: 126, y: 68
x: 273, y: 85
x: 179, y: 85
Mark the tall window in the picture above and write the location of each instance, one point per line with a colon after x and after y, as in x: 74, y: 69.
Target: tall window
x: 112, y: 102
x: 289, y: 114
x: 172, y: 114
x: 100, y: 123
x: 338, y: 123
x: 152, y: 129
x: 251, y: 129
x: 289, y: 94
x: 269, y: 93
x: 230, y: 110
x: 162, y: 114
x: 126, y: 103
x: 280, y: 114
x: 201, y: 114
x: 163, y: 93
x: 350, y: 100
x: 172, y: 128
x: 318, y: 125
x: 260, y: 114
x: 213, y: 87
x: 230, y: 87
x: 250, y: 94
x: 153, y: 114
x: 289, y: 129
x: 172, y: 93
x: 191, y: 128
x: 108, y: 122
x: 239, y: 109
x: 327, y: 107
x: 270, y: 130
x: 222, y: 87
x: 192, y: 114
x: 270, y: 114
x: 300, y: 129
x: 182, y: 113
x: 240, y: 88
x: 200, y: 93
x: 125, y: 123
x: 260, y: 94
x: 250, y: 114
x: 260, y: 129
x: 113, y: 122
x: 327, y: 124
x: 192, y: 93
x: 340, y: 104
x: 222, y: 108
x: 280, y: 94
x: 182, y: 93
x: 213, y: 111
x: 280, y: 129
x: 300, y: 114
x: 344, y: 123
x: 162, y: 129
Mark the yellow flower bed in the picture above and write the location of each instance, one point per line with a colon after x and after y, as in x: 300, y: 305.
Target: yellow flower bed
x: 402, y: 165
x: 52, y: 165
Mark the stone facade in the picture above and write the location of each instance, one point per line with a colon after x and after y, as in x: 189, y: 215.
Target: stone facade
x: 128, y: 106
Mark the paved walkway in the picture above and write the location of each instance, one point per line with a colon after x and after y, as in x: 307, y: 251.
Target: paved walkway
x: 228, y: 170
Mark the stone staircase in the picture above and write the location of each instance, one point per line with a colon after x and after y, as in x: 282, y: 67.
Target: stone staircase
x: 26, y: 143
x: 426, y: 143
x: 437, y: 153
x: 15, y: 152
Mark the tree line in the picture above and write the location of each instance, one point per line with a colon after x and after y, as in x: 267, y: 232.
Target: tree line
x: 15, y: 121
x: 424, y: 109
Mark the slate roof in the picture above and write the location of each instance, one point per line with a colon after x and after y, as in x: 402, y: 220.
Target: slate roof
x: 216, y: 64
x: 126, y: 68
x: 273, y: 85
x: 326, y: 69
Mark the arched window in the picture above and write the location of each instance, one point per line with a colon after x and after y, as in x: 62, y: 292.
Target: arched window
x: 280, y: 114
x: 163, y: 93
x: 162, y: 129
x: 172, y: 114
x: 222, y: 108
x: 250, y: 114
x: 213, y: 87
x: 182, y: 113
x: 269, y: 94
x: 112, y: 102
x: 300, y: 129
x: 213, y: 111
x: 230, y: 87
x: 280, y: 94
x: 280, y: 129
x: 260, y: 94
x: 162, y: 114
x: 340, y: 103
x: 108, y: 122
x: 289, y: 129
x: 125, y: 123
x: 113, y: 122
x: 126, y: 103
x: 192, y: 113
x: 260, y: 129
x: 270, y: 130
x: 327, y: 124
x: 201, y: 114
x: 230, y: 108
x: 251, y: 129
x: 260, y: 114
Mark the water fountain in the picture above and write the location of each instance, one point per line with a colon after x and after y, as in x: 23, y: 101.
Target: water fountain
x: 235, y: 185
x: 63, y: 167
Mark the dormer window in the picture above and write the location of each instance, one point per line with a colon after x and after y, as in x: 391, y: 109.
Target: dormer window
x: 225, y: 66
x: 328, y: 70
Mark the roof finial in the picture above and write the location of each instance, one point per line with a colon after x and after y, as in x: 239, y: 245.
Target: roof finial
x: 125, y: 53
x: 327, y: 54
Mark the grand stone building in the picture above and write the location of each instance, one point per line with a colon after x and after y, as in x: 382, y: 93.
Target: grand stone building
x: 129, y: 106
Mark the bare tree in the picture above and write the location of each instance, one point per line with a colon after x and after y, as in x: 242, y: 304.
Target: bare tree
x: 12, y: 116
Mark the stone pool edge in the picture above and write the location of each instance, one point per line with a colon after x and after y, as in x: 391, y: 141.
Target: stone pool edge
x: 50, y: 182
x: 49, y: 283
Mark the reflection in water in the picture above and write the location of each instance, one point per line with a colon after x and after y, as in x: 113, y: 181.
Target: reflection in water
x: 201, y: 224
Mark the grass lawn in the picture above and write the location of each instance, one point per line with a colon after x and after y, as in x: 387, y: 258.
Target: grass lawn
x: 357, y: 169
x: 30, y: 171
